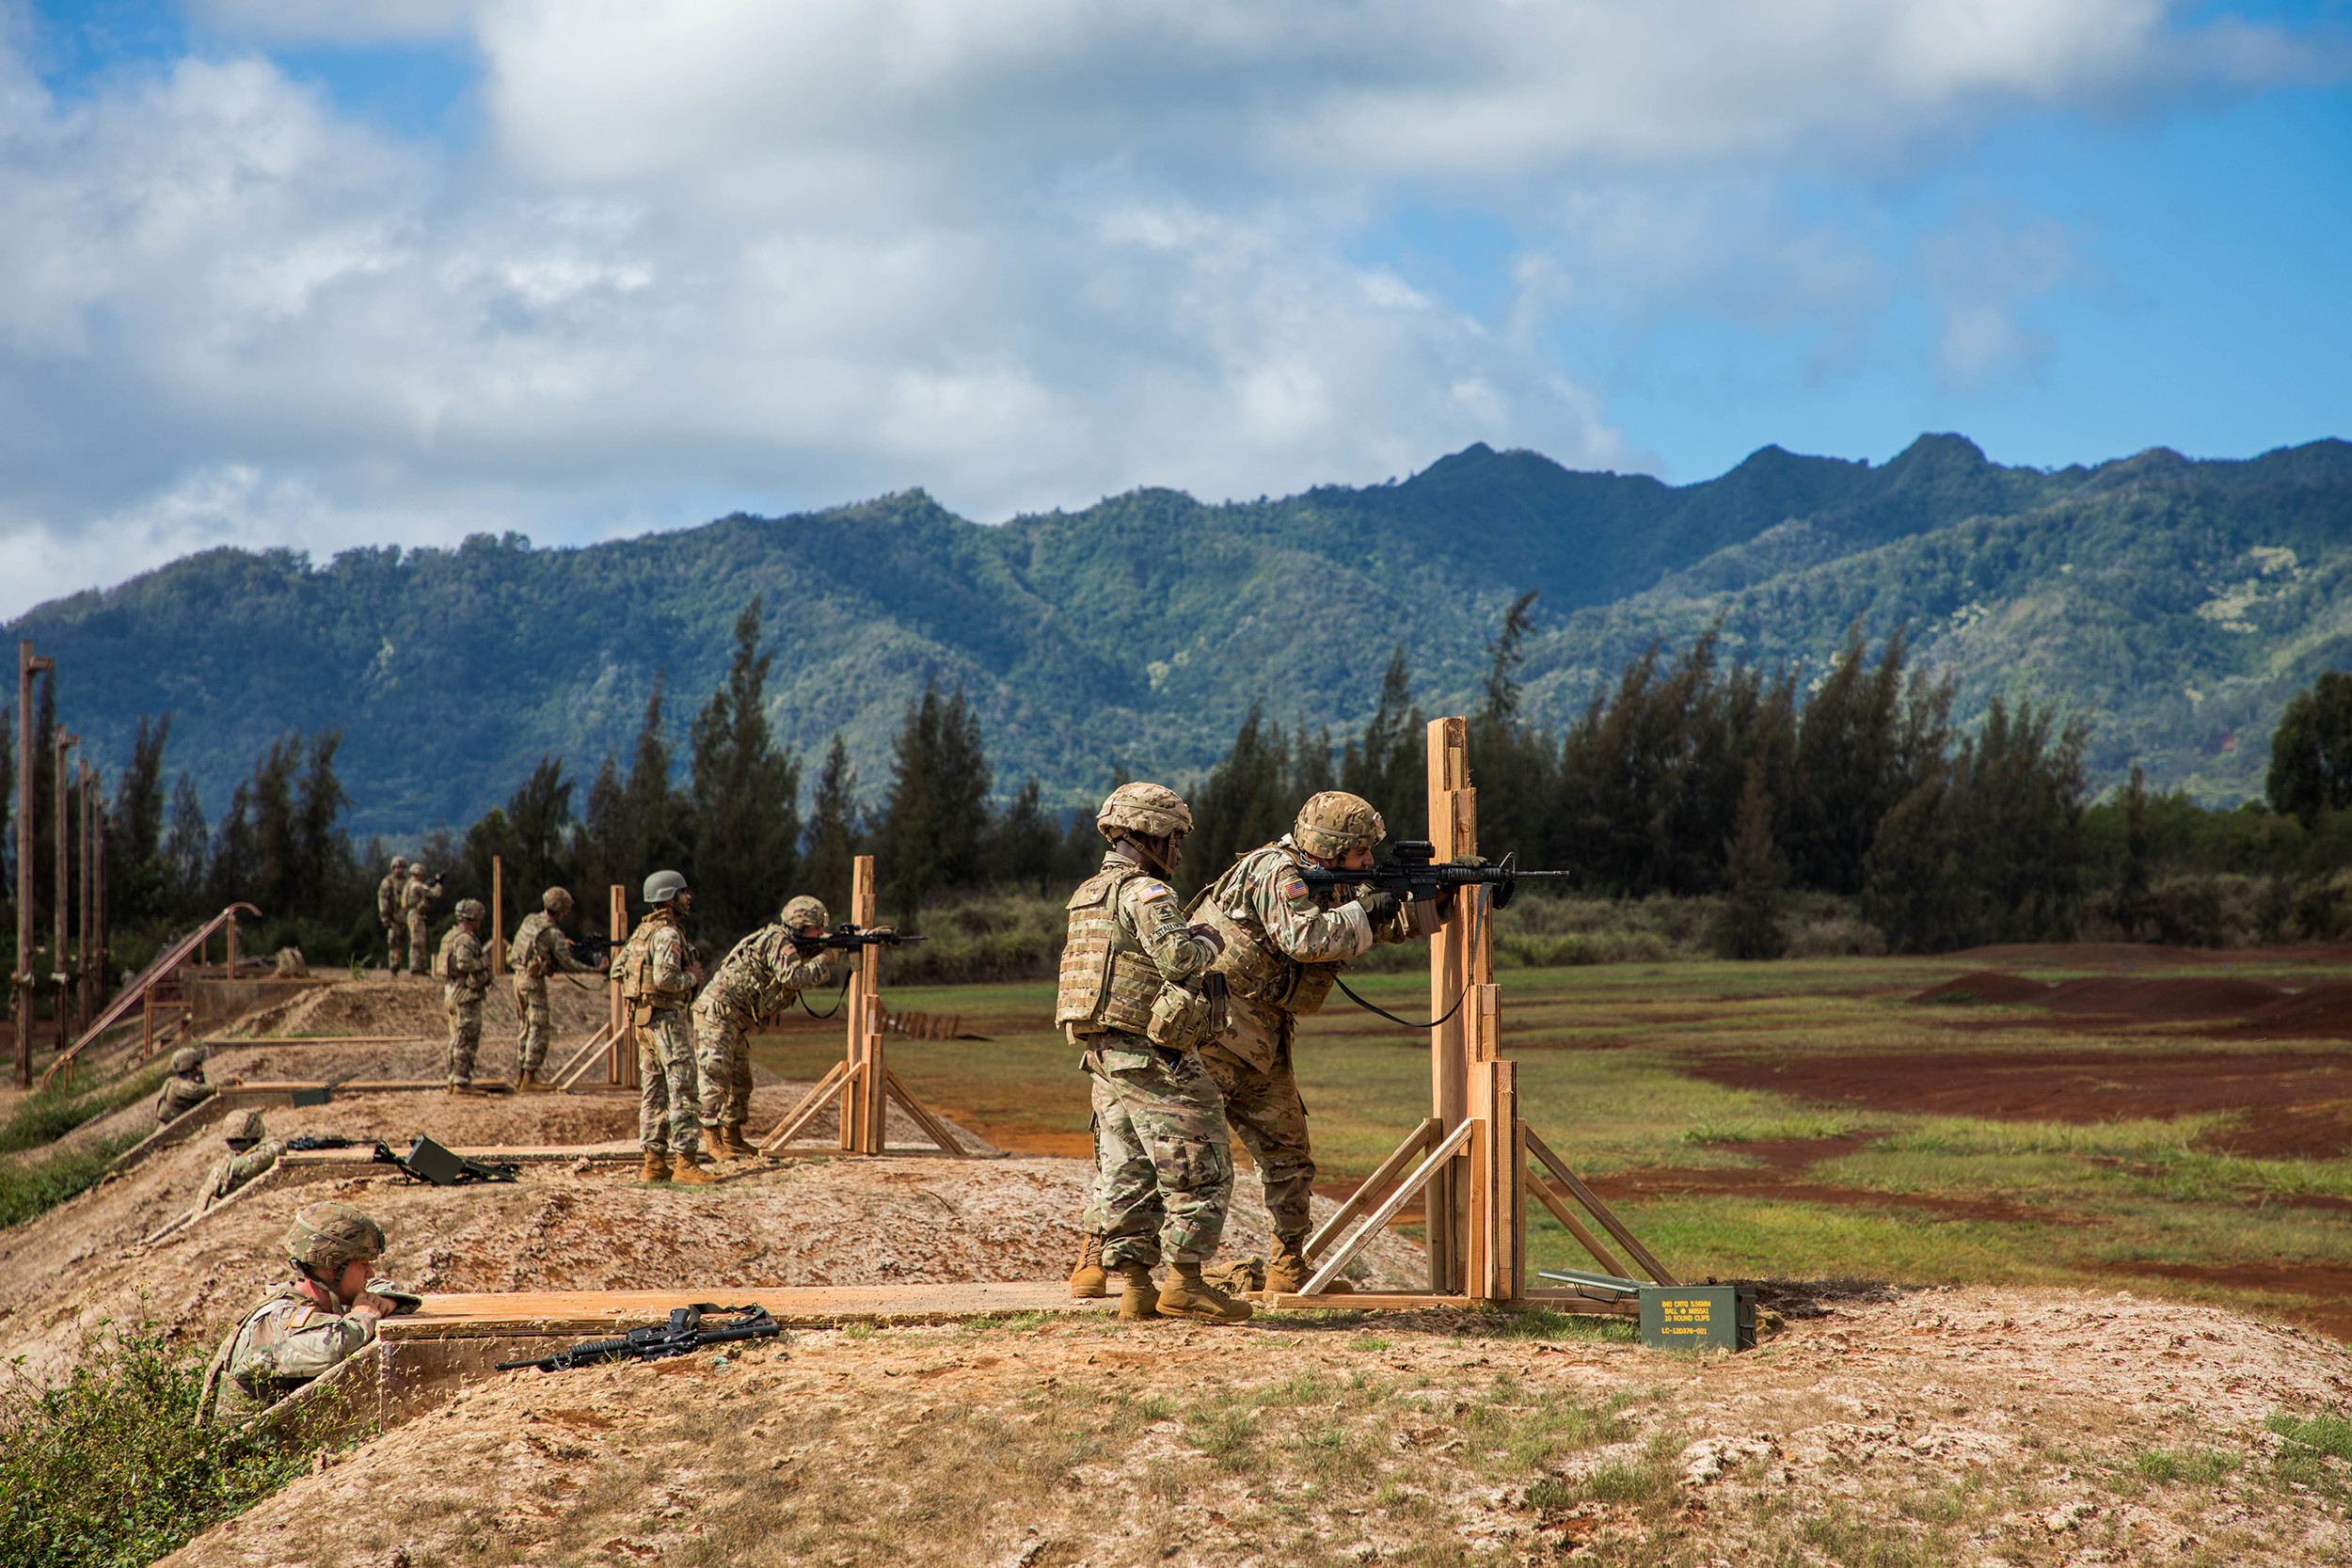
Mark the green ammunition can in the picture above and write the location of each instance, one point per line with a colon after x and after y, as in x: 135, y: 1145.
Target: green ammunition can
x: 1698, y: 1317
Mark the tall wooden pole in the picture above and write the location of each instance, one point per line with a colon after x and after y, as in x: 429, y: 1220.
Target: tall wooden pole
x: 85, y: 1000
x: 58, y: 803
x: 620, y: 1062
x: 98, y: 923
x: 1453, y: 829
x: 29, y: 664
x: 863, y: 1120
x: 498, y: 918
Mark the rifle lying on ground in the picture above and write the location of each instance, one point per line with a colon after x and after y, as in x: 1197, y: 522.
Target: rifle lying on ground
x: 1416, y: 876
x: 427, y: 1160
x: 683, y: 1334
x: 846, y: 937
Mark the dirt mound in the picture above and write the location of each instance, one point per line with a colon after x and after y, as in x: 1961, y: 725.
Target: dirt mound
x: 2160, y: 1001
x: 2289, y: 1132
x: 1987, y: 984
x: 2316, y: 1012
x: 2330, y: 1283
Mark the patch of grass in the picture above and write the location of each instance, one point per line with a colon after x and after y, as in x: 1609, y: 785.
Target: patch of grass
x: 2182, y: 1466
x: 108, y: 1468
x: 2328, y: 1435
x: 29, y: 1189
x: 44, y: 1117
x: 1226, y: 1435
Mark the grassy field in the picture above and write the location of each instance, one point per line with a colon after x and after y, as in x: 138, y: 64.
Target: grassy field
x: 1646, y: 1077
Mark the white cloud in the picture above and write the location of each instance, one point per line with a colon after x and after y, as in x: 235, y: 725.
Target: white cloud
x: 1983, y: 272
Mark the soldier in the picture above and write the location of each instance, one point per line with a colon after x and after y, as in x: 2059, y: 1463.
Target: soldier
x: 388, y: 909
x: 1283, y: 946
x: 184, y: 1089
x: 465, y: 981
x: 302, y: 1329
x: 539, y: 950
x: 252, y: 1151
x: 752, y: 984
x: 1163, y: 1173
x: 416, y: 906
x: 659, y: 971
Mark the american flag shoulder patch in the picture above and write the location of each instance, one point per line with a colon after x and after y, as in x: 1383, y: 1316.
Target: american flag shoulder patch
x: 1148, y: 890
x: 1295, y: 887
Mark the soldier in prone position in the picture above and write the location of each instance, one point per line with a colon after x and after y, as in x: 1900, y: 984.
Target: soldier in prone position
x: 304, y: 1327
x: 252, y: 1152
x: 1164, y: 1177
x: 388, y: 909
x: 539, y: 950
x: 184, y: 1089
x: 416, y: 904
x: 659, y: 971
x: 1284, y: 947
x: 752, y: 984
x: 464, y: 973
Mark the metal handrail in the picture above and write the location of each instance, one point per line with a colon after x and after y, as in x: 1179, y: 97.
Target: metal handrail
x: 131, y: 994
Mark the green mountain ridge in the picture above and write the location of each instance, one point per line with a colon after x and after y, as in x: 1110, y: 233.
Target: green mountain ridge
x: 2179, y: 602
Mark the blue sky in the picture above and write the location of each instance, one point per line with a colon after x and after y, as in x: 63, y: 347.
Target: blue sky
x: 287, y: 272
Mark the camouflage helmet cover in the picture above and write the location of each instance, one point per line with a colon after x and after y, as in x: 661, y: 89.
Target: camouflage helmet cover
x: 186, y: 1059
x: 326, y: 1236
x: 416, y: 869
x: 248, y: 1129
x: 805, y: 911
x: 1153, y: 810
x: 470, y: 908
x: 1334, y: 823
x: 555, y: 900
x: 400, y: 862
x: 662, y: 886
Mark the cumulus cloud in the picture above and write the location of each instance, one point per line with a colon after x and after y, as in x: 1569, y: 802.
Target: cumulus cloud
x: 1024, y: 253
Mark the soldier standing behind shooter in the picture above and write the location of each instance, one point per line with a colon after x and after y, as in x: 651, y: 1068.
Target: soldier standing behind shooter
x: 466, y: 980
x: 388, y: 909
x: 659, y: 971
x: 1284, y: 947
x: 416, y: 905
x: 756, y: 981
x: 539, y: 950
x: 1164, y: 1177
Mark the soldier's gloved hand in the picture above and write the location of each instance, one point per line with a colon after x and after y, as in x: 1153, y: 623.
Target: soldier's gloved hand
x: 1378, y: 906
x: 391, y: 1300
x: 1211, y: 935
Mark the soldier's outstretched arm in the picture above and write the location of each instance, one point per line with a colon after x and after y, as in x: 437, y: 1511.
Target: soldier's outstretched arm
x: 1156, y: 915
x: 1298, y: 926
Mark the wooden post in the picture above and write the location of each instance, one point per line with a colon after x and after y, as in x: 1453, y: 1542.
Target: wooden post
x: 1453, y: 829
x: 865, y: 1105
x: 498, y: 918
x: 29, y: 664
x: 60, y: 808
x: 86, y: 1000
x: 98, y: 903
x: 620, y: 1061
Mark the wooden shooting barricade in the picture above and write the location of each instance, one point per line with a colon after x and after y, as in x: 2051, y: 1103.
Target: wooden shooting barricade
x: 1470, y: 1157
x: 861, y: 1085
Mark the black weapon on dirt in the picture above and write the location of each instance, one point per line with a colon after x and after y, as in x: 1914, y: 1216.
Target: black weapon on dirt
x: 683, y: 1334
x: 427, y: 1160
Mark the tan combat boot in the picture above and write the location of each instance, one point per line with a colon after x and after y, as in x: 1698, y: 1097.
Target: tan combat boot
x: 1139, y: 1301
x: 1090, y: 1280
x: 1288, y: 1271
x: 689, y: 1174
x: 1188, y: 1296
x: 657, y: 1166
x: 732, y: 1139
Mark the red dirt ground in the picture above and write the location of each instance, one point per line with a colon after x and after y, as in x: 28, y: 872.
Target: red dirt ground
x: 1988, y: 985
x: 2040, y: 1086
x: 2289, y: 1132
x: 2331, y: 1283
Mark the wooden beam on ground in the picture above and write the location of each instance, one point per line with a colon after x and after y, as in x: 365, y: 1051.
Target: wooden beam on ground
x: 584, y: 1314
x: 238, y: 1042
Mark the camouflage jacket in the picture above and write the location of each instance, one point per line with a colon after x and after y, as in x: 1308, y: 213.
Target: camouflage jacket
x: 416, y: 896
x: 462, y: 967
x: 655, y: 967
x: 388, y: 896
x: 761, y: 975
x: 282, y: 1345
x: 238, y: 1169
x: 178, y: 1097
x: 1283, y: 944
x: 541, y: 949
x: 1128, y: 938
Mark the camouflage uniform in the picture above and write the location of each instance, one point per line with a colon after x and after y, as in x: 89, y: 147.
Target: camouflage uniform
x: 388, y: 909
x: 1283, y: 946
x: 283, y: 1343
x: 754, y: 985
x: 1164, y: 1169
x: 540, y: 949
x: 182, y: 1093
x: 466, y: 980
x: 238, y: 1169
x: 658, y: 981
x: 416, y: 904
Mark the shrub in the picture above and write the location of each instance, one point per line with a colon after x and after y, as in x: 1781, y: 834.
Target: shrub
x: 33, y: 1187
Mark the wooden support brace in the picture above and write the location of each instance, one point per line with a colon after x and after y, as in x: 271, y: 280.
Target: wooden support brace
x: 833, y: 1083
x: 1561, y: 1211
x: 1452, y: 1145
x: 1377, y: 1184
x: 1599, y: 1211
x: 577, y: 1065
x: 933, y: 1127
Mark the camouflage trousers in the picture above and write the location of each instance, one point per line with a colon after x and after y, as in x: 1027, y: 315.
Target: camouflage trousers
x: 723, y: 1053
x: 1271, y: 1121
x: 534, y: 1024
x: 420, y: 942
x: 396, y: 943
x: 1164, y: 1172
x: 665, y: 1075
x: 465, y: 1039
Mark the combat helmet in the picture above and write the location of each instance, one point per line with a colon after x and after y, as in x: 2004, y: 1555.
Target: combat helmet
x: 187, y: 1059
x: 662, y: 886
x: 1334, y: 823
x: 470, y: 908
x: 400, y: 863
x: 248, y: 1129
x: 1153, y: 810
x: 805, y: 911
x: 326, y: 1236
x: 556, y: 900
x: 416, y: 870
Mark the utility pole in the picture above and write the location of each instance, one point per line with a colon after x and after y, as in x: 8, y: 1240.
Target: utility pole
x: 29, y: 664
x: 102, y: 930
x: 65, y: 863
x: 87, y: 990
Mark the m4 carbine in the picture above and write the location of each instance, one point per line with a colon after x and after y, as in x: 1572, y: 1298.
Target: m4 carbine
x: 848, y: 937
x: 1416, y: 876
x: 593, y: 951
x: 683, y: 1334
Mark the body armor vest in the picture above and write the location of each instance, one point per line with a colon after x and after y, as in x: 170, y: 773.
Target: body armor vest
x: 522, y: 954
x: 1107, y: 979
x: 637, y: 987
x: 1252, y: 965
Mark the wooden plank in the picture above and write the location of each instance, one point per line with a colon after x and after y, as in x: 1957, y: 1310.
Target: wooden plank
x: 1561, y: 1211
x: 931, y: 1125
x: 582, y: 1314
x: 1368, y: 1301
x: 1369, y: 1193
x: 1569, y: 1301
x: 805, y: 1112
x: 576, y: 1067
x: 1478, y: 1249
x: 227, y: 1042
x: 1599, y: 1211
x: 1447, y: 1148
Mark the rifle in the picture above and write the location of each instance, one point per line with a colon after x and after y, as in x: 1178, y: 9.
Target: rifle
x: 309, y: 1141
x: 593, y: 951
x: 427, y: 1160
x: 846, y: 937
x: 683, y: 1334
x: 1417, y: 877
